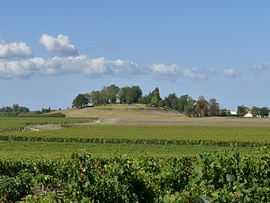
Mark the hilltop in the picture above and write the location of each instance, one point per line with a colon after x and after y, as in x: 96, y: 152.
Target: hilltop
x: 125, y: 114
x: 142, y: 114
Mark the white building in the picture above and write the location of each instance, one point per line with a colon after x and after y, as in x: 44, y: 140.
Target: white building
x: 248, y: 115
x: 233, y: 113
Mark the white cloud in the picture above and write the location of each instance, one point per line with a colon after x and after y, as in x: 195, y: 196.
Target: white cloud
x: 163, y: 69
x: 173, y: 71
x: 62, y: 65
x: 14, y: 49
x: 95, y: 67
x: 23, y: 68
x: 194, y: 73
x: 229, y: 72
x: 60, y: 44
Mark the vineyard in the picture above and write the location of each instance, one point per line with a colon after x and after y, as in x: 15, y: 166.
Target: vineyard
x: 131, y: 163
x: 20, y: 123
x: 205, y: 178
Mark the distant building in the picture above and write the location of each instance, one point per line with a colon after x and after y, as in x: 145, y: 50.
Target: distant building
x: 248, y: 115
x: 233, y: 113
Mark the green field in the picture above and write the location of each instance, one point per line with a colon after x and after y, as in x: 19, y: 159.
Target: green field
x: 18, y: 123
x: 55, y: 150
x: 217, y: 133
x: 131, y: 163
x: 105, y: 140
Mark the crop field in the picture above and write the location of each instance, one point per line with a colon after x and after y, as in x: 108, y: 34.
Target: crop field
x: 131, y: 163
x: 54, y: 150
x: 19, y: 123
x: 106, y: 140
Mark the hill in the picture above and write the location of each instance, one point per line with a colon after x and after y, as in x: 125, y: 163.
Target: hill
x: 141, y: 114
x: 125, y: 114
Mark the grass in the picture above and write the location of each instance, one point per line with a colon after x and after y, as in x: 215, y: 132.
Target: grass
x: 217, y: 133
x: 53, y: 150
x: 7, y: 123
x: 51, y: 144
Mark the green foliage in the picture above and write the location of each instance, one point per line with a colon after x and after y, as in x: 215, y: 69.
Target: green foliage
x: 259, y: 112
x: 96, y: 98
x: 129, y: 95
x: 242, y: 110
x: 12, y: 124
x: 33, y: 114
x: 201, y: 107
x: 189, y: 108
x: 264, y: 112
x: 218, y: 177
x: 233, y: 134
x: 80, y: 101
x: 15, y: 109
x: 109, y: 94
x: 171, y: 101
x: 183, y: 101
x: 155, y: 97
x: 214, y: 109
x: 146, y: 99
x: 225, y: 112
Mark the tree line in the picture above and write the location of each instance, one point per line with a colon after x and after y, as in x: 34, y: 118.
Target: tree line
x: 22, y: 111
x: 184, y: 104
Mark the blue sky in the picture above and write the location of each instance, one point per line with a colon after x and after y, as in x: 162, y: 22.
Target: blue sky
x: 52, y: 50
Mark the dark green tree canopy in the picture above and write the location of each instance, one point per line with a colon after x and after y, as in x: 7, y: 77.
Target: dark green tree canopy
x: 242, y: 110
x: 183, y: 101
x: 110, y: 94
x: 130, y: 95
x: 214, y: 109
x: 202, y: 108
x: 80, y: 101
x: 16, y: 108
x: 96, y: 98
x: 155, y: 97
x: 171, y: 101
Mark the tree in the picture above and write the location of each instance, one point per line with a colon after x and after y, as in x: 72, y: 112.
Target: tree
x: 264, y: 112
x: 171, y: 101
x: 189, y: 108
x: 255, y: 111
x: 183, y: 101
x: 225, y: 112
x: 133, y: 94
x: 46, y: 110
x: 96, y: 98
x: 201, y: 108
x: 130, y: 94
x: 122, y: 94
x: 213, y: 107
x: 16, y: 108
x: 155, y: 97
x: 242, y: 110
x: 146, y: 99
x: 80, y: 101
x: 109, y: 94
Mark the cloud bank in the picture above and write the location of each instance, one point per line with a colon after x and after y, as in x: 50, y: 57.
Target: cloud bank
x: 63, y: 65
x: 15, y: 64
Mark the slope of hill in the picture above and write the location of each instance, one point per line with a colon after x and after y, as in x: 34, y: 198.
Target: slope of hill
x: 138, y: 114
x: 125, y: 114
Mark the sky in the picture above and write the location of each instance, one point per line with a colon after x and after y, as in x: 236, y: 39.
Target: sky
x: 52, y: 50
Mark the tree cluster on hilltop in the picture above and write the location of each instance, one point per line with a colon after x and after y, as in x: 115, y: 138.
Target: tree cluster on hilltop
x: 184, y: 104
